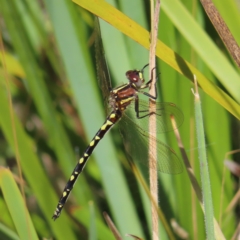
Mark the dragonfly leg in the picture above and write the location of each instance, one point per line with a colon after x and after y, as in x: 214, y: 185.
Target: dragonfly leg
x: 138, y: 111
x: 148, y: 85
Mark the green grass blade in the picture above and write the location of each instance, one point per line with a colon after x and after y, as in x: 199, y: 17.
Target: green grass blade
x: 92, y: 229
x: 16, y: 206
x: 204, y: 171
x: 8, y: 233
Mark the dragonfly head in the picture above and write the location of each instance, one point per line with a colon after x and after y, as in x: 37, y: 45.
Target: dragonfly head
x: 136, y: 76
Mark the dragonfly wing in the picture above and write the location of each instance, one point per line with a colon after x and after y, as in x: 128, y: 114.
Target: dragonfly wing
x: 104, y: 79
x: 163, y: 111
x: 136, y: 142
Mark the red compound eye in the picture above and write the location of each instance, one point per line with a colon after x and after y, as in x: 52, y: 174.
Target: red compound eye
x: 132, y: 75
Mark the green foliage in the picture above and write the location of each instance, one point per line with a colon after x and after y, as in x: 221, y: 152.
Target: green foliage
x: 51, y: 71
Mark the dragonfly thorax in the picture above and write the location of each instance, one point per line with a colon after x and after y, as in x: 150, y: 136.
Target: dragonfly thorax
x: 122, y: 96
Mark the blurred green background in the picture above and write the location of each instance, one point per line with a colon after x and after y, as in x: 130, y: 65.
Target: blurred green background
x: 58, y: 107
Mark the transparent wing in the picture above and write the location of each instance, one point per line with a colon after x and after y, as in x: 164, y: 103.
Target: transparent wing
x: 164, y: 112
x: 104, y: 79
x: 136, y: 142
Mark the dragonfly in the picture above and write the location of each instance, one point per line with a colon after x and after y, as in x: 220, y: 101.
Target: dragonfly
x: 123, y: 100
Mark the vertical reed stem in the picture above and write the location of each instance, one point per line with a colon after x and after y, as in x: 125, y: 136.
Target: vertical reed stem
x: 152, y: 120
